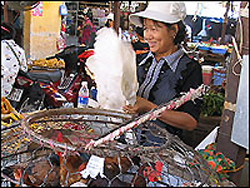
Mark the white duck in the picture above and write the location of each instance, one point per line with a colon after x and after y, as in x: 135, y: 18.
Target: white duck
x: 114, y: 68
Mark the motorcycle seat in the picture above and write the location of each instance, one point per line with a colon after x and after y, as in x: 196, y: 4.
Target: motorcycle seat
x: 45, y: 76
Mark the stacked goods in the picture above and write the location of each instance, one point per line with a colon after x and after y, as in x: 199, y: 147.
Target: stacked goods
x: 51, y: 63
x: 8, y: 113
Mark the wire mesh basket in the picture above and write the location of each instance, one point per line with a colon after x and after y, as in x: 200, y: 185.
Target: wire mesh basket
x: 56, y: 153
x: 96, y: 148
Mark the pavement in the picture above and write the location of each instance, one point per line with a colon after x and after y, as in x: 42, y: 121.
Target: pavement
x: 71, y: 40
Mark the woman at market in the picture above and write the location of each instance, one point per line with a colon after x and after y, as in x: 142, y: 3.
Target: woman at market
x: 166, y: 71
x: 110, y: 20
x: 87, y: 31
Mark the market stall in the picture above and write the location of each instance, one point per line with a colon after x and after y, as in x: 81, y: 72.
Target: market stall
x: 207, y: 26
x: 97, y: 10
x: 91, y: 146
x: 206, y: 21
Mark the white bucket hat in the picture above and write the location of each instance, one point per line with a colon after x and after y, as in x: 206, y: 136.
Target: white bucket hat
x: 167, y: 12
x: 110, y: 16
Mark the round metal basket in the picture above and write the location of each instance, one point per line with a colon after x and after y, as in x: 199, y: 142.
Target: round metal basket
x: 96, y: 147
x: 131, y: 159
x: 86, y: 123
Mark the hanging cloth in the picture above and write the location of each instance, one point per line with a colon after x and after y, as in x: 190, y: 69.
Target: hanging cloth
x: 240, y: 130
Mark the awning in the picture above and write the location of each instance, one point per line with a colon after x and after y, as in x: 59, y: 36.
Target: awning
x: 213, y: 9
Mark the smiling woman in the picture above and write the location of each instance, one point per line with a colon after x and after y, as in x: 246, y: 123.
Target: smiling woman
x: 166, y: 71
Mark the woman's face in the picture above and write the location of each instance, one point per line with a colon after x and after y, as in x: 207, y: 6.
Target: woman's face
x: 111, y: 22
x: 159, y: 37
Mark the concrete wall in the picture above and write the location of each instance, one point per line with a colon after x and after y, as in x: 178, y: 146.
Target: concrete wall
x: 41, y: 32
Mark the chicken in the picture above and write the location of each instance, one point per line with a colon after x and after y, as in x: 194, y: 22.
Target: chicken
x: 114, y: 68
x: 101, y: 182
x: 56, y: 169
x: 71, y: 166
x: 48, y: 167
x: 114, y: 171
x: 32, y: 165
x: 43, y: 170
x: 72, y: 163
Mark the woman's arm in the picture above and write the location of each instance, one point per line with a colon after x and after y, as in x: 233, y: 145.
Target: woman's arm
x: 179, y: 120
x: 176, y: 119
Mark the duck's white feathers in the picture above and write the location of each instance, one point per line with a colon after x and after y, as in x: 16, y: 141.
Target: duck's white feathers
x: 114, y: 68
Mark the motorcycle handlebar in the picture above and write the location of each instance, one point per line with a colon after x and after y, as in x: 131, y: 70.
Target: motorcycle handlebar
x: 69, y: 50
x: 25, y: 74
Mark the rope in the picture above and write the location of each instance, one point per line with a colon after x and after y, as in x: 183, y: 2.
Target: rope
x: 239, y: 59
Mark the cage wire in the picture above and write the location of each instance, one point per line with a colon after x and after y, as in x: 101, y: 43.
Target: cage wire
x: 103, y: 148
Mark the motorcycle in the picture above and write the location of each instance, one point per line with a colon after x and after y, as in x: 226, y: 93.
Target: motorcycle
x: 43, y: 88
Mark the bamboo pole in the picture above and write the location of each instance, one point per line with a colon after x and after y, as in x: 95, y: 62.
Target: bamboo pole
x: 6, y: 16
x: 117, y: 16
x: 224, y: 25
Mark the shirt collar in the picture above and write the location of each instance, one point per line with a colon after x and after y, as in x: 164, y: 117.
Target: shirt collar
x: 150, y: 54
x: 172, y: 60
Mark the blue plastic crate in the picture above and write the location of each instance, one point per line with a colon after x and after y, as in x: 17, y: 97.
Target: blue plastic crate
x: 218, y: 51
x: 201, y: 47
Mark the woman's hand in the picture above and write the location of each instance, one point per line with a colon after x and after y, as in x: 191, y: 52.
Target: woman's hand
x: 141, y: 105
x: 177, y: 119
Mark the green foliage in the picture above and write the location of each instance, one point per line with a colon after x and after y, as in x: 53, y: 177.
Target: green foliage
x: 213, y: 102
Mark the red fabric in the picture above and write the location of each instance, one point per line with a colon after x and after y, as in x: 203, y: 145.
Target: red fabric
x: 86, y: 54
x: 59, y: 137
x: 153, y: 176
x: 63, y: 27
x: 86, y: 30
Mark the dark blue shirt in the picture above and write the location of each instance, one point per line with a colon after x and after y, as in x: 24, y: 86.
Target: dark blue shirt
x: 160, y: 82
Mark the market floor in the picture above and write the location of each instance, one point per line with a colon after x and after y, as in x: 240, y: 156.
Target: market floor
x: 71, y: 40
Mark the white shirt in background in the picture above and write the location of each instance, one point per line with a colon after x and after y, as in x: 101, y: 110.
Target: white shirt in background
x: 10, y: 66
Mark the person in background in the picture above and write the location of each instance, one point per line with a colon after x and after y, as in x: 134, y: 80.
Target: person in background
x: 166, y: 71
x: 87, y: 31
x: 110, y: 20
x: 12, y: 58
x: 60, y: 43
x: 189, y: 33
x: 124, y: 35
x: 139, y: 44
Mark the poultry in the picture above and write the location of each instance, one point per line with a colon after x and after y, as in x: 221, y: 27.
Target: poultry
x: 114, y: 67
x: 71, y: 166
x: 43, y: 170
x: 101, y: 182
x: 72, y: 163
x: 114, y: 173
x: 33, y: 163
x: 66, y: 168
x: 151, y: 172
x: 33, y: 173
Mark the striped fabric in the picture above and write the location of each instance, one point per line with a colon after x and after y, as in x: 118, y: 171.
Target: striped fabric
x: 155, y: 69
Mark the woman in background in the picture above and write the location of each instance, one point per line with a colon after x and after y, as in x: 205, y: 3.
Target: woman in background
x: 87, y: 31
